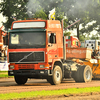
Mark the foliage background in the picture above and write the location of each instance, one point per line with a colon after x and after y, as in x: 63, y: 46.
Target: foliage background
x: 87, y: 10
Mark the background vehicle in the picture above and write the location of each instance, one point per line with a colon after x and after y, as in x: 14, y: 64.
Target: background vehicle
x: 93, y: 44
x: 72, y: 41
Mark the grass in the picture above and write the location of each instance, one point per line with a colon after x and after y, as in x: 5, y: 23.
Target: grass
x: 4, y: 74
x: 48, y: 93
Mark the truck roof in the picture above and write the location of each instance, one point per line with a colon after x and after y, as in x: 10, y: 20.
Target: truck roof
x: 49, y: 24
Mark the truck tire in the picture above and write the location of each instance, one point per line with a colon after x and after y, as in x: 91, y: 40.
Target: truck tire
x: 83, y: 74
x: 20, y: 79
x: 56, y: 78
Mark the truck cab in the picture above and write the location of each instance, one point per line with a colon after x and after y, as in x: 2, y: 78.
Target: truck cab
x: 33, y: 48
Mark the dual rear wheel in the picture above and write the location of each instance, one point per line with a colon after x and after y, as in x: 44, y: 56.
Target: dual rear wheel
x: 83, y: 74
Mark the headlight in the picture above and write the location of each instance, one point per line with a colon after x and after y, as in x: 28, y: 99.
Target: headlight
x: 11, y: 67
x: 41, y: 66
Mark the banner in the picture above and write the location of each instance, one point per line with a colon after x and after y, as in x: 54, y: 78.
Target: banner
x: 4, y: 66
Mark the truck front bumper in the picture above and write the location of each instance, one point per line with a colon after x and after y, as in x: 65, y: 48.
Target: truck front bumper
x: 30, y: 73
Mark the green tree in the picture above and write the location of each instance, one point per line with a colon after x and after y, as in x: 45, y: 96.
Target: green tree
x: 13, y: 9
x: 94, y: 37
x: 73, y: 9
x: 87, y: 10
x: 40, y: 14
x: 93, y: 14
x: 67, y: 33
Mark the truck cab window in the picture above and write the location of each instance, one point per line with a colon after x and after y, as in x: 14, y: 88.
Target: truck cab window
x: 52, y: 38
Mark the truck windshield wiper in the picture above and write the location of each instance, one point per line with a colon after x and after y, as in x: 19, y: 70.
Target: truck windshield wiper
x: 37, y: 46
x: 32, y: 45
x: 27, y: 46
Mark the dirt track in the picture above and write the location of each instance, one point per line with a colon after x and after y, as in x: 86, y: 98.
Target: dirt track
x: 8, y: 86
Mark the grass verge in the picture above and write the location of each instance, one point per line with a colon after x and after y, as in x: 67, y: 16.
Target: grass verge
x: 48, y: 93
x: 4, y: 74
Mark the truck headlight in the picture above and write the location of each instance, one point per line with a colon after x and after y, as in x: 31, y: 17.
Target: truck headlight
x: 41, y: 66
x: 11, y: 67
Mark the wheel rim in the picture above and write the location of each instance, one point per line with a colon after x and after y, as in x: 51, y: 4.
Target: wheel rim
x: 57, y: 75
x: 88, y: 74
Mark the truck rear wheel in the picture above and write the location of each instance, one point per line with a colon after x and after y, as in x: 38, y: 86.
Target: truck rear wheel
x: 83, y: 74
x: 56, y: 78
x: 20, y: 79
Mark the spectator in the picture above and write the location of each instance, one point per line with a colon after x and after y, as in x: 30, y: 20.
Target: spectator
x: 2, y: 54
x: 95, y: 53
x: 98, y: 52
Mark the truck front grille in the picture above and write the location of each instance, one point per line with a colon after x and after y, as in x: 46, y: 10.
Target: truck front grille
x: 26, y: 57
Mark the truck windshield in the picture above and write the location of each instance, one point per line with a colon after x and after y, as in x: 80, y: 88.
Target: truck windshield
x: 31, y: 39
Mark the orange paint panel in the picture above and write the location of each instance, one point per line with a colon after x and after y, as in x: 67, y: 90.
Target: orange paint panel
x: 80, y: 53
x: 29, y: 66
x: 60, y: 52
x: 52, y: 52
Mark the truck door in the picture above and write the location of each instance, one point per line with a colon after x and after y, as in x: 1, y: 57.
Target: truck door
x: 52, y: 47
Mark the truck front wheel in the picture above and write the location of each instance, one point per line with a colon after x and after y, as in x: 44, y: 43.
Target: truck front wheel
x: 20, y: 79
x: 56, y: 78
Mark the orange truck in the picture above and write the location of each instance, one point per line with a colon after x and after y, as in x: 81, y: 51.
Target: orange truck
x: 72, y: 41
x: 37, y: 49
